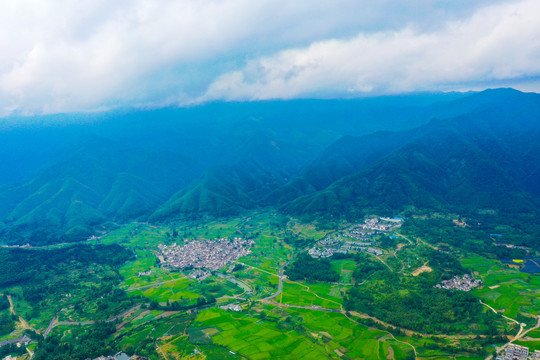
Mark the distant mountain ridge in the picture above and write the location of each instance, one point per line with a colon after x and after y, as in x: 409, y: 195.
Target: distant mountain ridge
x: 486, y: 158
x: 304, y: 157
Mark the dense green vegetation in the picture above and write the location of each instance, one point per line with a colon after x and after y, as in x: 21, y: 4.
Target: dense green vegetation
x: 143, y: 337
x: 81, y: 276
x: 304, y: 267
x: 266, y: 154
x: 447, y: 165
x: 4, y: 302
x: 12, y: 350
x: 21, y: 265
x: 516, y: 229
x: 7, y: 325
x: 80, y: 345
x: 366, y: 267
x: 462, y: 182
x: 413, y: 303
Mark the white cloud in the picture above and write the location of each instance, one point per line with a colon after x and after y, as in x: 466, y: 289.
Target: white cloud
x: 75, y: 55
x: 499, y: 42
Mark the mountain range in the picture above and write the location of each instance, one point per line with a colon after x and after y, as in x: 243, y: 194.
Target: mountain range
x: 65, y: 177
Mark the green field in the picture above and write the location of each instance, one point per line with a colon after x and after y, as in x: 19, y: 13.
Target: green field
x: 345, y: 269
x: 531, y: 344
x: 302, y: 294
x: 507, y: 290
x: 310, y: 335
x: 272, y: 330
x: 257, y: 339
x: 342, y: 335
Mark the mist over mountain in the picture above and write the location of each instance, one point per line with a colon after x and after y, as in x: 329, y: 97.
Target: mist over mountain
x: 65, y: 180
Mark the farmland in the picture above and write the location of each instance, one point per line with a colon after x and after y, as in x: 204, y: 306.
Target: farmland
x: 177, y: 316
x: 514, y: 293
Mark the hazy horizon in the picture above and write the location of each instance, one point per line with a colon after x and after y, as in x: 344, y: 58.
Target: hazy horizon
x: 80, y: 57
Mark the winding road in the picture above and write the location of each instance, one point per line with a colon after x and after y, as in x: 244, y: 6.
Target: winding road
x: 521, y: 333
x: 280, y: 284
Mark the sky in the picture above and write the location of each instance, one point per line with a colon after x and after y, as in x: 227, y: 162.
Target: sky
x: 67, y: 56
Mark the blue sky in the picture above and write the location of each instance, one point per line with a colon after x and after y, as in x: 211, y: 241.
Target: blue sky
x: 77, y: 56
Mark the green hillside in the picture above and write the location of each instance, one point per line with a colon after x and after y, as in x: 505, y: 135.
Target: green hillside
x: 479, y: 160
x: 68, y: 200
x: 311, y: 157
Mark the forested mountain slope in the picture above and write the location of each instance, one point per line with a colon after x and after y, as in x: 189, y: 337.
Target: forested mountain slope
x: 487, y: 158
x: 311, y: 157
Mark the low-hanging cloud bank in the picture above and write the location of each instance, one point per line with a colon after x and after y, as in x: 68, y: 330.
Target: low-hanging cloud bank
x: 70, y: 56
x: 497, y: 43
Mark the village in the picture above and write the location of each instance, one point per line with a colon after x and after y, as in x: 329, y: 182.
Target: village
x: 464, y: 283
x: 518, y: 352
x: 205, y: 254
x: 355, y: 238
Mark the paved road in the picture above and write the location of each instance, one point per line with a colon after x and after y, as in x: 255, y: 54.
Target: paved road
x: 280, y: 284
x: 521, y: 333
x: 381, y: 260
x: 73, y: 323
x: 51, y: 325
x: 114, y: 318
x: 14, y: 341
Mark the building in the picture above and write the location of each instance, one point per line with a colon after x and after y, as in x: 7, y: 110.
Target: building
x: 232, y: 307
x: 23, y: 340
x: 516, y: 352
x: 119, y: 356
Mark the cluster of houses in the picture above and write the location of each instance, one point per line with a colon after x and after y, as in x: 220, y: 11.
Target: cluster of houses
x: 199, y: 274
x: 355, y: 238
x: 330, y: 241
x: 20, y: 341
x: 464, y: 283
x: 317, y: 252
x: 372, y: 225
x: 517, y: 352
x: 120, y: 356
x: 207, y: 254
x: 360, y: 246
x: 231, y: 307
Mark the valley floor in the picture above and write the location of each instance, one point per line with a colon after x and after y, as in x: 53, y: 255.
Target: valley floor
x: 253, y: 309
